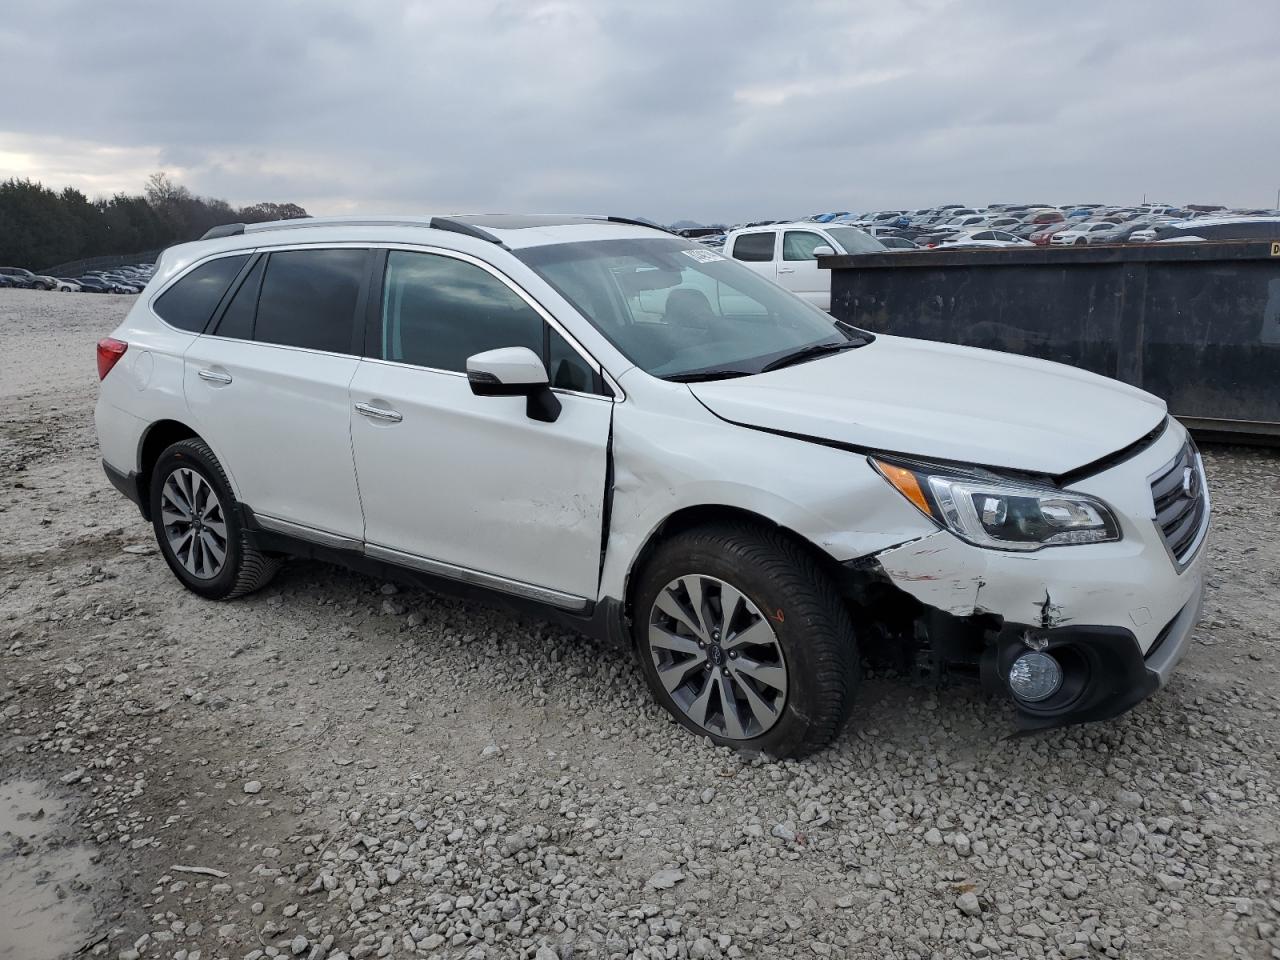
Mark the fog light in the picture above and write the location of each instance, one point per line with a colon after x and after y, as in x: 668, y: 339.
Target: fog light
x: 1035, y: 677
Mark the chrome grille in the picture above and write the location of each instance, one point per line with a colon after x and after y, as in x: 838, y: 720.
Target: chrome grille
x: 1182, y: 503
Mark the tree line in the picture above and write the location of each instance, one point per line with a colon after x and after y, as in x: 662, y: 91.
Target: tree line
x: 40, y: 227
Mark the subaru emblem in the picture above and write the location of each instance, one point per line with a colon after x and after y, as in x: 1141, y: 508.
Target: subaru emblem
x: 1189, y: 482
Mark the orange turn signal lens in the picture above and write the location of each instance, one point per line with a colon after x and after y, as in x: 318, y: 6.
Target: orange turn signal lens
x: 905, y: 482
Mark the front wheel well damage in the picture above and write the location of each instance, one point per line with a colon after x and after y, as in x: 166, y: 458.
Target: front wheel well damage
x: 689, y: 518
x: 893, y: 628
x: 899, y: 631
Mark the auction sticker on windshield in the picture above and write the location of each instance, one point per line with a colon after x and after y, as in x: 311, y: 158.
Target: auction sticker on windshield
x: 702, y: 256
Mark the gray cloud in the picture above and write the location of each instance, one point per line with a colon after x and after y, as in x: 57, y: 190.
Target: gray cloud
x: 714, y: 110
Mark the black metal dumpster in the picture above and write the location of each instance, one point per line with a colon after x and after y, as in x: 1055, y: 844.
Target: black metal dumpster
x: 1197, y: 324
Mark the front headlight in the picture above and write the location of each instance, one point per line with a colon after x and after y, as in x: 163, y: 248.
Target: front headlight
x: 992, y: 511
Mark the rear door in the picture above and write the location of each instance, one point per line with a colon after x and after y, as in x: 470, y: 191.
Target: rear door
x: 798, y: 270
x: 267, y: 389
x: 758, y: 250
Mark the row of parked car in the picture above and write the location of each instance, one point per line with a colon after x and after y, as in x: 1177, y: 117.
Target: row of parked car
x: 1023, y: 225
x: 126, y: 279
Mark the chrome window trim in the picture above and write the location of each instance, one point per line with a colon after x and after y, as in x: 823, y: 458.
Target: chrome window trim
x: 547, y: 316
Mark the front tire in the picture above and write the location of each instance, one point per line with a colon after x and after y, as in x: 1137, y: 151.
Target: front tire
x: 743, y: 638
x: 198, y: 528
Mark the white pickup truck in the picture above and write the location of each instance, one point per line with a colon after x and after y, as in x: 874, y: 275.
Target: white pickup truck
x: 787, y: 253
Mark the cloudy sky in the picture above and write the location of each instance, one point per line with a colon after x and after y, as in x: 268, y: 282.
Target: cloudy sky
x: 711, y: 110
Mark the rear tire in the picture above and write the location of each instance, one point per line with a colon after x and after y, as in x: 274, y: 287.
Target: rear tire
x: 198, y: 528
x: 782, y: 665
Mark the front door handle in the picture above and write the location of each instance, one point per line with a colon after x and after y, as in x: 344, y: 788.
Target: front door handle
x: 379, y: 413
x: 786, y: 269
x: 214, y: 376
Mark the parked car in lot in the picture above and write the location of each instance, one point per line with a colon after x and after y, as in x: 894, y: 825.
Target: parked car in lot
x: 898, y: 243
x: 1120, y: 232
x: 646, y: 440
x: 92, y: 284
x: 788, y: 254
x: 1221, y: 228
x: 67, y: 286
x: 19, y: 277
x: 1042, y: 236
x: 1080, y: 234
x: 982, y: 238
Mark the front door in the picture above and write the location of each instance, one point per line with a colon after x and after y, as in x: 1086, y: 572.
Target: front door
x: 798, y: 269
x: 466, y: 486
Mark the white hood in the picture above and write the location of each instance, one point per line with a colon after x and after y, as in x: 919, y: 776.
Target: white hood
x: 943, y: 402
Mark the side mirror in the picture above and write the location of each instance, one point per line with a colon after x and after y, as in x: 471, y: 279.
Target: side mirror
x: 824, y: 250
x: 514, y: 372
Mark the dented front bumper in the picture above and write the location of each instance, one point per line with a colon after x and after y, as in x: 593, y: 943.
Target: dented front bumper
x: 1122, y: 612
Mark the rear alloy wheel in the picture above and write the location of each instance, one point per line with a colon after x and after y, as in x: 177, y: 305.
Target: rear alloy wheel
x: 194, y: 523
x: 743, y: 638
x: 198, y: 527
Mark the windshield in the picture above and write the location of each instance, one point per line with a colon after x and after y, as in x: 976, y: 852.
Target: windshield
x: 854, y: 240
x: 677, y: 310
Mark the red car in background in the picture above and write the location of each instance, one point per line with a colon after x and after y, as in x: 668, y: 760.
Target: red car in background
x: 1041, y: 237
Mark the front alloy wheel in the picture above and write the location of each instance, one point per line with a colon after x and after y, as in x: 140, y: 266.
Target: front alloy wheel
x: 743, y: 638
x: 717, y: 657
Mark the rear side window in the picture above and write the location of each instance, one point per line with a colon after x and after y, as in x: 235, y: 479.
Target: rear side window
x: 237, y: 319
x: 754, y: 247
x: 308, y: 299
x: 437, y: 311
x: 190, y: 302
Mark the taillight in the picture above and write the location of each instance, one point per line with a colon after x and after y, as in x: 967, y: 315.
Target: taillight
x: 110, y: 351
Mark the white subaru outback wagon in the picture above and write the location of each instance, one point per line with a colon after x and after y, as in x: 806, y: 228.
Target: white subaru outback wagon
x: 648, y: 441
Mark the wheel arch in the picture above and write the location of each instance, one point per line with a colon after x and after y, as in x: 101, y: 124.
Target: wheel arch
x: 154, y: 441
x: 710, y: 514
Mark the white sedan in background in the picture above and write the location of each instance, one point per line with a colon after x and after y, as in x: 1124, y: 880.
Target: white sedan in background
x: 982, y: 238
x: 1090, y: 232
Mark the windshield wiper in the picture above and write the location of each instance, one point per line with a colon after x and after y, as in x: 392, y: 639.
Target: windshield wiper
x: 699, y: 376
x: 812, y: 352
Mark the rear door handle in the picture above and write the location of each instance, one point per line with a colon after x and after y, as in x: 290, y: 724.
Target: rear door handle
x: 214, y: 376
x: 379, y: 413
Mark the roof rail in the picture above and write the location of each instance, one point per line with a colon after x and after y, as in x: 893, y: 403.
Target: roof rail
x: 223, y: 230
x: 466, y: 229
x: 450, y: 224
x: 636, y: 222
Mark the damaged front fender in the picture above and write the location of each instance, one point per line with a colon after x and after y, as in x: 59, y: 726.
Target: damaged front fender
x: 939, y: 571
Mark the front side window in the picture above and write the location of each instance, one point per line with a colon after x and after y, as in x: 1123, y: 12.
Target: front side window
x: 190, y: 302
x: 437, y: 311
x: 681, y: 311
x: 854, y: 240
x: 308, y: 299
x: 800, y: 244
x: 754, y: 247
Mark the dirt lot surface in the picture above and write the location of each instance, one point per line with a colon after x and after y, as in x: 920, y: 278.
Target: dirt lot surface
x: 337, y: 767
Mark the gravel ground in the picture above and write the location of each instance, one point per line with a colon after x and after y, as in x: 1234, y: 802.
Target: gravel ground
x: 337, y: 767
